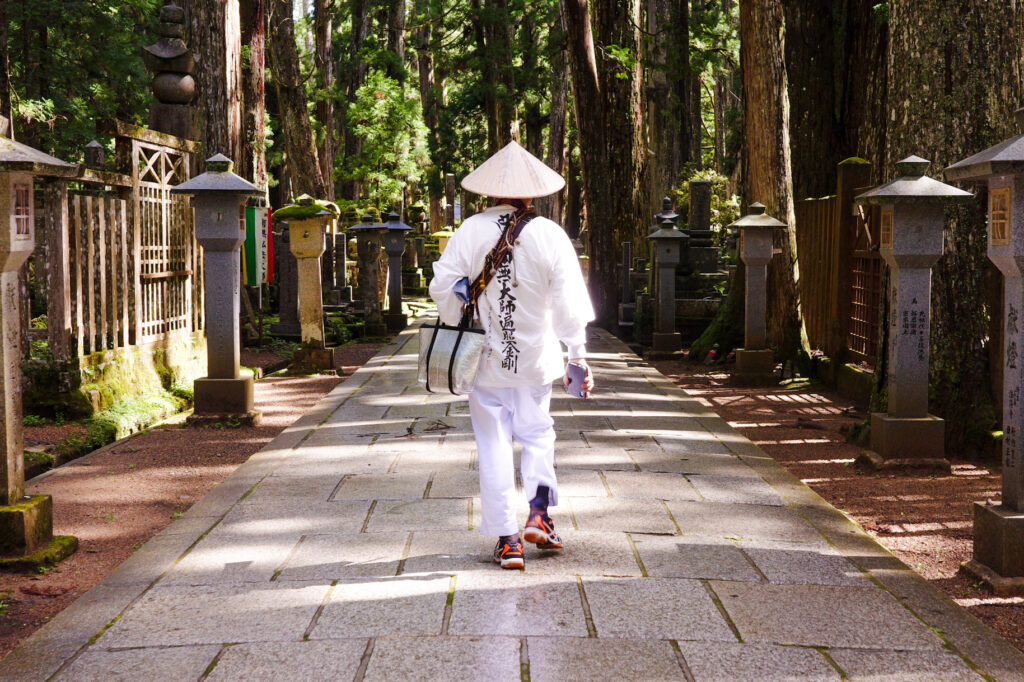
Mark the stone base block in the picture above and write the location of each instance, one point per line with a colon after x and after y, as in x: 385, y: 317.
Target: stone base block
x: 250, y: 418
x: 172, y: 119
x: 223, y: 396
x: 286, y: 329
x: 999, y: 547
x: 754, y: 368
x: 26, y: 526
x: 375, y: 330
x: 627, y: 314
x: 55, y: 551
x: 873, y: 460
x: 345, y: 293
x: 395, y: 322
x: 313, y: 358
x: 666, y: 343
x: 907, y: 438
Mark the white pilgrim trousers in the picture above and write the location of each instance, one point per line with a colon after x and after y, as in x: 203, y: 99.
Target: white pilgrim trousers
x: 499, y: 415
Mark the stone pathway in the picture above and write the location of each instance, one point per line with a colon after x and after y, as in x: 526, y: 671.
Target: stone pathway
x: 348, y: 549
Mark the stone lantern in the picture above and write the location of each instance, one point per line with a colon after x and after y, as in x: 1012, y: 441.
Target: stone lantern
x: 309, y: 223
x: 755, y: 362
x: 368, y: 244
x: 218, y: 200
x: 910, y: 239
x: 999, y: 528
x: 668, y: 242
x: 394, y: 246
x: 26, y: 523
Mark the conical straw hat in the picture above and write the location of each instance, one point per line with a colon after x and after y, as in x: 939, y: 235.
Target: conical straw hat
x: 513, y: 173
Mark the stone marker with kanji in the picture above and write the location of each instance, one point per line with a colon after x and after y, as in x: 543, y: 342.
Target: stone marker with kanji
x: 26, y: 523
x: 999, y: 528
x: 913, y: 214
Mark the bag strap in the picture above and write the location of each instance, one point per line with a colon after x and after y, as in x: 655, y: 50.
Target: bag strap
x: 499, y: 253
x: 451, y: 361
x: 430, y: 350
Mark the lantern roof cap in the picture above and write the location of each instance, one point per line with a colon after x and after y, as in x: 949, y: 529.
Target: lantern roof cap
x: 394, y: 222
x: 366, y: 223
x: 668, y: 231
x: 1005, y: 158
x: 756, y: 217
x: 912, y: 186
x: 15, y: 156
x: 666, y: 211
x: 217, y: 178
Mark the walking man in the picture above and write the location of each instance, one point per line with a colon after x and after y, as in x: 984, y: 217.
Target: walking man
x: 536, y: 298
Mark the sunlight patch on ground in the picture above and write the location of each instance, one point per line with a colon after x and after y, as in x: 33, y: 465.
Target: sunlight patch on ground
x: 990, y: 601
x: 825, y: 461
x: 754, y: 425
x: 795, y: 441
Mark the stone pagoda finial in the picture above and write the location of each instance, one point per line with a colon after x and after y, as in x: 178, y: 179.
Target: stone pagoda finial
x: 173, y: 63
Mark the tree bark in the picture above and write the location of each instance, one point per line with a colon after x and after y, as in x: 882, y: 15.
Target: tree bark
x: 492, y: 29
x: 299, y: 144
x: 693, y: 104
x: 953, y: 84
x: 322, y: 19
x: 610, y: 123
x: 767, y: 164
x: 352, y: 190
x: 431, y: 96
x: 6, y: 107
x: 811, y: 70
x: 253, y: 163
x: 864, y: 106
x: 214, y: 36
x: 396, y: 40
x: 554, y: 206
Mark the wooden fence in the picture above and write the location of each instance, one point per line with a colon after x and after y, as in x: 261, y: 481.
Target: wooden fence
x: 122, y: 263
x: 840, y: 270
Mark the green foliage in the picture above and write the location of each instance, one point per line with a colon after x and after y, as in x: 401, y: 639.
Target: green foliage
x: 725, y: 207
x: 43, y: 458
x: 33, y: 420
x: 74, y: 63
x: 387, y: 119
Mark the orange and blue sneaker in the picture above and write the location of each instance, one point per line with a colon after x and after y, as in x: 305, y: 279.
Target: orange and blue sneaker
x: 509, y: 552
x: 540, y: 530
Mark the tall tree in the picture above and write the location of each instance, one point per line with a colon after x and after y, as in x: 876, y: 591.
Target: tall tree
x: 322, y: 28
x: 431, y: 96
x: 693, y: 101
x: 299, y: 144
x: 604, y: 46
x: 953, y: 83
x: 253, y: 163
x: 767, y: 162
x: 6, y: 109
x: 396, y: 40
x: 360, y: 19
x: 214, y: 35
x: 553, y: 206
x: 492, y: 27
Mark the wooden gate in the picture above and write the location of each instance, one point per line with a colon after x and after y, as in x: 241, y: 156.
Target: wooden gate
x: 866, y: 270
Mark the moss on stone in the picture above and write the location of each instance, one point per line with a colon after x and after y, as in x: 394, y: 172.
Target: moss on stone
x: 853, y: 160
x: 302, y: 211
x: 60, y: 548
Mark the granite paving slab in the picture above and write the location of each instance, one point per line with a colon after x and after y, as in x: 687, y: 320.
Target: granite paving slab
x: 655, y: 608
x: 514, y: 603
x: 689, y: 557
x: 579, y: 456
x: 788, y: 564
x: 403, y: 605
x: 348, y: 555
x: 564, y: 659
x: 382, y: 486
x: 231, y: 559
x: 179, y: 663
x: 741, y: 662
x: 623, y: 515
x: 293, y: 516
x: 904, y: 666
x: 335, y: 659
x: 736, y: 490
x: 214, y: 614
x: 815, y: 615
x: 624, y: 484
x: 444, y: 658
x: 742, y: 521
x: 420, y: 514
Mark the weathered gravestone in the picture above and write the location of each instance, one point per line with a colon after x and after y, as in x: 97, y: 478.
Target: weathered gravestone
x: 999, y: 528
x: 910, y: 241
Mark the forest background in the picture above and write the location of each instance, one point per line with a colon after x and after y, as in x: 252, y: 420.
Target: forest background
x: 372, y: 102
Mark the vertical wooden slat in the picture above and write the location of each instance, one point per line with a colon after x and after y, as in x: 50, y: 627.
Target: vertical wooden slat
x: 76, y: 231
x: 136, y: 245
x: 101, y: 266
x: 123, y: 230
x: 90, y: 263
x: 58, y: 271
x: 113, y: 258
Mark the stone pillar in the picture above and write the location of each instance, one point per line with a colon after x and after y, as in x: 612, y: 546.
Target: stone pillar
x: 341, y: 266
x: 307, y: 244
x: 449, y: 200
x: 755, y: 362
x: 999, y: 528
x: 667, y: 243
x: 702, y: 256
x: 26, y: 523
x: 394, y: 246
x: 173, y: 64
x: 218, y: 197
x: 286, y: 273
x: 913, y: 216
x: 368, y: 245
